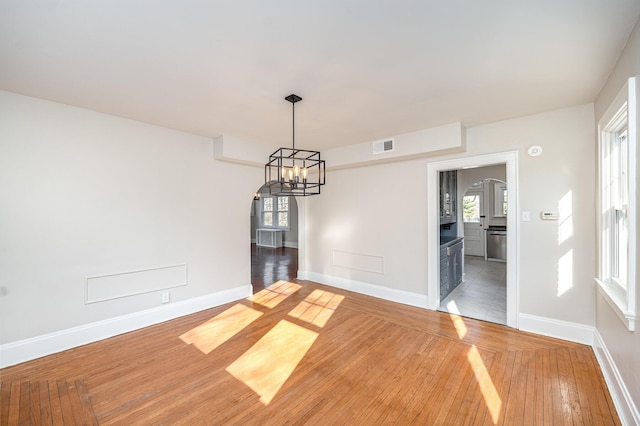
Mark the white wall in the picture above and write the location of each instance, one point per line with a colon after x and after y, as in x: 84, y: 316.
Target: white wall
x: 468, y: 177
x: 448, y: 138
x: 623, y: 346
x: 556, y: 257
x: 86, y: 194
x: 381, y: 211
x: 377, y: 211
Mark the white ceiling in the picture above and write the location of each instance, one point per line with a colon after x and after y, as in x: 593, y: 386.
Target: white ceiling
x: 365, y: 69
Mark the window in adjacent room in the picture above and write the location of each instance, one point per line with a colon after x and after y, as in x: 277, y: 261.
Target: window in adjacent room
x: 500, y: 200
x: 471, y: 208
x: 283, y: 212
x: 267, y: 211
x: 617, y: 177
x: 275, y: 212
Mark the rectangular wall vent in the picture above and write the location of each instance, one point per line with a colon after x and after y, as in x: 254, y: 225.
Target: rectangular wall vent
x: 125, y: 284
x: 358, y: 262
x: 380, y: 147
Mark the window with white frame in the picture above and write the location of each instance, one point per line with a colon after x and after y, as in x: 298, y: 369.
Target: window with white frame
x: 267, y: 211
x: 471, y: 207
x: 617, y: 171
x: 275, y: 212
x: 283, y: 212
x: 500, y: 200
x: 619, y: 207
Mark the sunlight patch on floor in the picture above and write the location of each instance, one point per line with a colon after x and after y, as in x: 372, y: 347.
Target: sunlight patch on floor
x: 489, y: 392
x: 271, y: 296
x: 213, y: 333
x: 317, y: 307
x: 267, y: 365
x: 456, y: 319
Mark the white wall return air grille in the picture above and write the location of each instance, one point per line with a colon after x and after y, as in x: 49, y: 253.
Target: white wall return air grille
x: 386, y: 145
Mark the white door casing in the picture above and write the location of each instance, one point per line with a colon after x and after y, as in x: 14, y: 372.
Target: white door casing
x: 509, y: 158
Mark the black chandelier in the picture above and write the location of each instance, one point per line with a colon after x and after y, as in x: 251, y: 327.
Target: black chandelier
x: 292, y: 171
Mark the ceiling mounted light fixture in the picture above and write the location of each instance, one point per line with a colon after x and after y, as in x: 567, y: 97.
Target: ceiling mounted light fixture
x: 291, y: 171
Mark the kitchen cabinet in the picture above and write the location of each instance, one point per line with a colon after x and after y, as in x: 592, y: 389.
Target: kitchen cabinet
x: 450, y: 265
x: 448, y: 196
x: 444, y: 273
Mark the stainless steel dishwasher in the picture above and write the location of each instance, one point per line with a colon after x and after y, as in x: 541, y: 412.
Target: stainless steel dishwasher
x: 497, y: 243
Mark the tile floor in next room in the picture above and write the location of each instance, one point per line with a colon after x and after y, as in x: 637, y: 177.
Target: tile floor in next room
x: 483, y: 293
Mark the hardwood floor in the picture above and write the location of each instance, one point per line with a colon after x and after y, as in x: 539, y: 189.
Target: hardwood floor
x: 303, y: 353
x: 269, y: 265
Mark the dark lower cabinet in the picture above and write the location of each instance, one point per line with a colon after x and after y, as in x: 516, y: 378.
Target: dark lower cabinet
x: 444, y: 273
x: 450, y: 267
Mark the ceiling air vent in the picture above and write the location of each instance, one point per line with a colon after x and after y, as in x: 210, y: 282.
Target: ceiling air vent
x: 383, y: 146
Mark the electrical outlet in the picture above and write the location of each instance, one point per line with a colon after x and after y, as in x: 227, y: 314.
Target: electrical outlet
x: 165, y: 297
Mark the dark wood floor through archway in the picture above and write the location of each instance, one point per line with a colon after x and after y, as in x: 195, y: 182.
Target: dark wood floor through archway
x: 269, y: 265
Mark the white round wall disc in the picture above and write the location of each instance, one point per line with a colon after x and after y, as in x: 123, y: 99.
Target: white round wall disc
x: 535, y: 150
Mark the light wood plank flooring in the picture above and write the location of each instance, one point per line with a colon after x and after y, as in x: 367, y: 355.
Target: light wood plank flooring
x: 302, y: 353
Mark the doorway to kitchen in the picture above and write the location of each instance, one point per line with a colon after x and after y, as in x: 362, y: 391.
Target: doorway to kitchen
x: 507, y: 160
x: 481, y: 292
x: 274, y: 239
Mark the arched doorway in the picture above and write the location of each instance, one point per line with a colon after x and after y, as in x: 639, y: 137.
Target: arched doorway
x: 274, y: 239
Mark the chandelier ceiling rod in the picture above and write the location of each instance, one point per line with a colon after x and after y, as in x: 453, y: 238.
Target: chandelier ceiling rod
x: 293, y: 99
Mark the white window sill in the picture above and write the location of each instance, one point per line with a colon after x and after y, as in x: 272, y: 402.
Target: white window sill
x: 618, y: 303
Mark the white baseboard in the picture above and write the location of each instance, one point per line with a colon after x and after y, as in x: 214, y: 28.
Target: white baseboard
x: 399, y: 296
x: 559, y: 329
x: 627, y: 410
x: 565, y: 330
x: 39, y: 346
